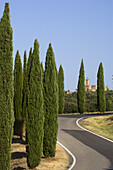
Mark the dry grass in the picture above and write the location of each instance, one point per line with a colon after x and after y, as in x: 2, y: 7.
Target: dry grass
x: 102, y: 125
x: 18, y: 161
x: 84, y: 113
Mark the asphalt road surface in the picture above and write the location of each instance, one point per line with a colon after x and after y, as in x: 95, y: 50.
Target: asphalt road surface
x: 91, y: 152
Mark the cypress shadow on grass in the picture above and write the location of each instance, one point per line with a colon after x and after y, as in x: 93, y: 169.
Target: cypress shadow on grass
x: 18, y: 155
x: 19, y: 168
x: 18, y: 140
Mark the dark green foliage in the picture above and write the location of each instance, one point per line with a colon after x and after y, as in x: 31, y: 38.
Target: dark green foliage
x: 61, y: 89
x: 24, y: 104
x: 18, y: 87
x: 28, y: 76
x: 57, y: 88
x: 51, y: 105
x: 109, y: 100
x: 29, y: 64
x: 35, y: 112
x: 6, y: 90
x: 91, y: 101
x: 42, y: 67
x: 101, y: 102
x: 81, y: 90
x: 108, y: 107
x: 70, y: 103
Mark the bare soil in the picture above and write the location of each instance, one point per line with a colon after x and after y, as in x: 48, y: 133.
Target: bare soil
x: 18, y: 158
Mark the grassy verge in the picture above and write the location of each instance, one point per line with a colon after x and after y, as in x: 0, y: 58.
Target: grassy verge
x: 84, y: 113
x: 18, y: 161
x: 102, y: 125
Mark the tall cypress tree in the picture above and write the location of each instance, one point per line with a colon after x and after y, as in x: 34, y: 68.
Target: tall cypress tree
x: 57, y: 88
x: 61, y: 89
x: 6, y: 89
x: 29, y: 64
x: 28, y: 77
x: 81, y: 89
x: 18, y: 87
x: 35, y: 111
x: 101, y: 102
x: 24, y: 102
x: 51, y: 105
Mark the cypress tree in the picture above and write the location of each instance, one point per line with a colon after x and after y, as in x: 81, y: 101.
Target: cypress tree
x: 18, y: 87
x: 81, y: 89
x: 35, y: 111
x: 6, y: 89
x: 29, y: 64
x: 101, y: 102
x: 24, y: 109
x: 51, y: 105
x: 61, y: 89
x: 57, y: 88
x: 42, y: 68
x: 28, y: 77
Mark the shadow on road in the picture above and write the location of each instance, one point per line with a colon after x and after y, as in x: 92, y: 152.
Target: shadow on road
x: 102, y: 146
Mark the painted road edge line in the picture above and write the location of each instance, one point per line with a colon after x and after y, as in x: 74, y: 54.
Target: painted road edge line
x: 74, y: 159
x: 91, y: 131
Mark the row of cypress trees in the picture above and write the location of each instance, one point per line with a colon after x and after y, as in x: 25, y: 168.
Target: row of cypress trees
x: 40, y: 99
x: 101, y: 102
x: 31, y: 96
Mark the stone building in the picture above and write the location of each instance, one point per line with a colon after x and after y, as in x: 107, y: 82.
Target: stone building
x: 92, y: 88
x: 69, y: 92
x: 89, y: 87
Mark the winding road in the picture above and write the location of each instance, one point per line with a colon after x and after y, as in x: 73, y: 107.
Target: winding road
x: 91, y: 151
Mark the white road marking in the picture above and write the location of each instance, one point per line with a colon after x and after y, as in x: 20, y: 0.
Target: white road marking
x: 90, y: 131
x: 74, y: 159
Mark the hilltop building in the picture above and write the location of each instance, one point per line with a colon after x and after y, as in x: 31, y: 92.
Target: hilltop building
x: 92, y: 88
x: 89, y: 87
x: 69, y: 92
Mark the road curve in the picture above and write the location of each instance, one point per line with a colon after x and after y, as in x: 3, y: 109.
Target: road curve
x: 91, y: 152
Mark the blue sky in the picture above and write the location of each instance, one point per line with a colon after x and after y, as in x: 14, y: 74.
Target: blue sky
x: 76, y: 28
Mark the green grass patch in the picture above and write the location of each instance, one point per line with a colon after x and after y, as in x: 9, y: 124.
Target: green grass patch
x: 102, y: 125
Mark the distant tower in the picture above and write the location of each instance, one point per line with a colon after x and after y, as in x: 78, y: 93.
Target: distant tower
x: 87, y: 82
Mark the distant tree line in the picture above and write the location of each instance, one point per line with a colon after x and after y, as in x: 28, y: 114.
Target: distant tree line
x: 32, y: 97
x: 87, y: 101
x: 90, y: 102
